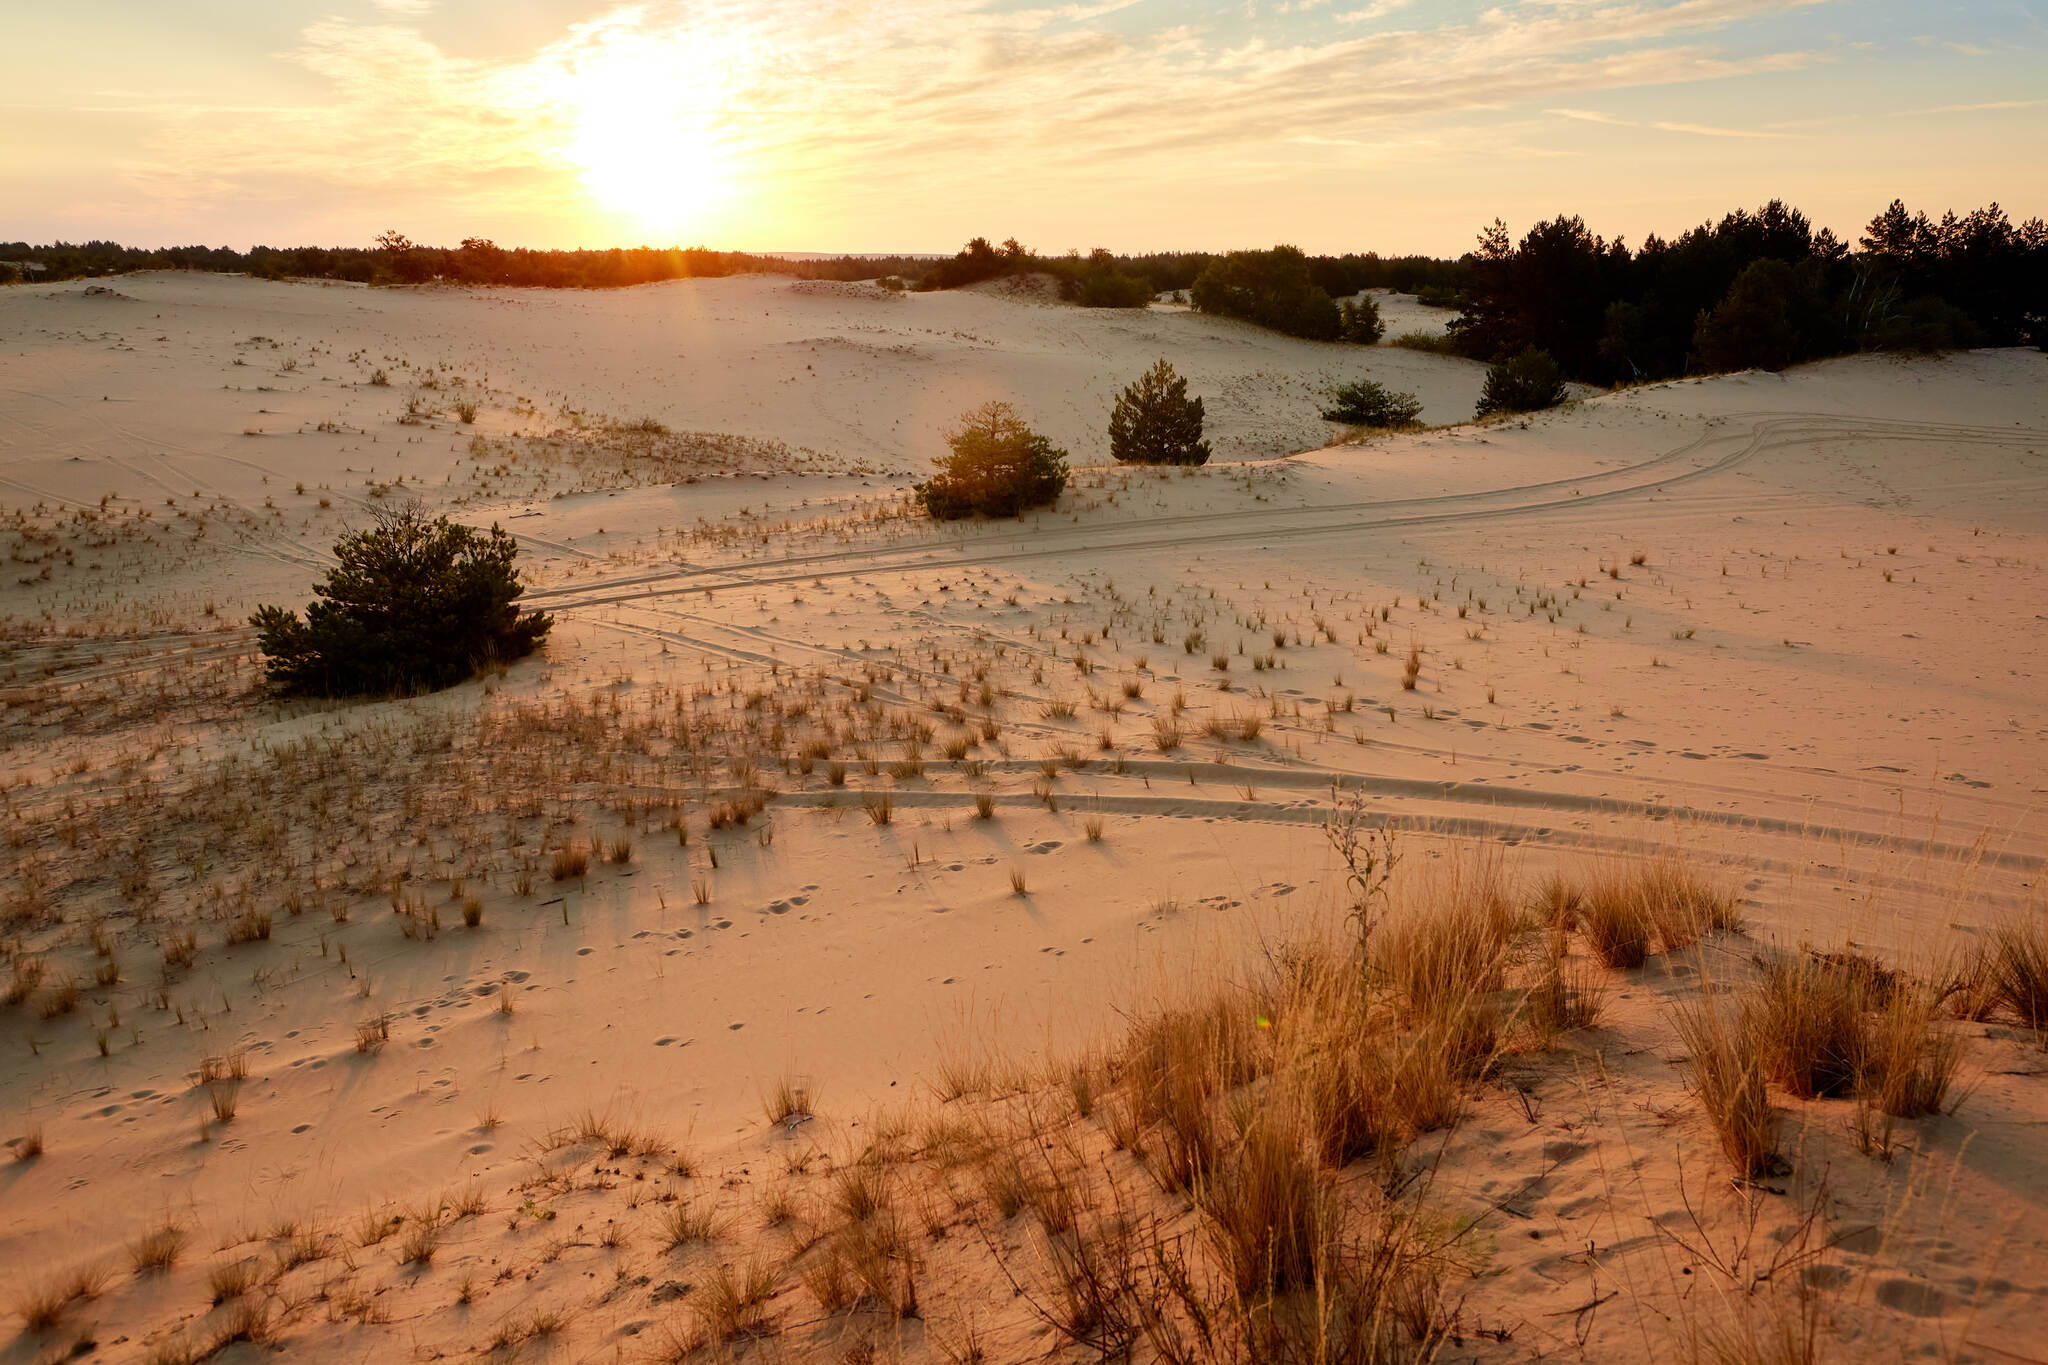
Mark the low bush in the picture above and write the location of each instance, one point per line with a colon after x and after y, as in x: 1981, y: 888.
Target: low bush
x: 1358, y: 322
x: 1370, y: 404
x: 999, y: 467
x: 1524, y: 383
x: 1432, y: 343
x: 415, y: 604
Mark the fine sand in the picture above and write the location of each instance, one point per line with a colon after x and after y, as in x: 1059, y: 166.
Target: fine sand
x: 1786, y: 627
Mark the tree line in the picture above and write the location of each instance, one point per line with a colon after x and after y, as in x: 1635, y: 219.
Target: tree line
x: 1758, y: 288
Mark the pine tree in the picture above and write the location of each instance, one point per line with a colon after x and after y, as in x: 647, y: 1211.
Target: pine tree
x: 999, y: 467
x: 1155, y: 422
x: 413, y: 604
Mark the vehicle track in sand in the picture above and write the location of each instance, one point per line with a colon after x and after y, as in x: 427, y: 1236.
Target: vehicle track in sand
x: 1152, y: 533
x: 1836, y: 821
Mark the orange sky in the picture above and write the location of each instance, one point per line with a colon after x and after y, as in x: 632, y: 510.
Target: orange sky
x: 1395, y: 125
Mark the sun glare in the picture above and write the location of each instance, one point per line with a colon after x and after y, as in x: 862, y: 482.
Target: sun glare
x: 644, y: 134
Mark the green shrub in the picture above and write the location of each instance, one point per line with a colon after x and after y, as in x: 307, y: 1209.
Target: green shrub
x: 1434, y: 343
x: 1099, y: 284
x: 1522, y: 383
x: 1155, y: 422
x: 1762, y: 323
x: 1927, y: 326
x: 1359, y: 323
x: 998, y: 468
x: 414, y: 605
x: 1368, y: 404
x: 1271, y: 288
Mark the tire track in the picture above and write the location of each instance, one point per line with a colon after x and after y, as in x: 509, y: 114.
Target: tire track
x: 1765, y: 435
x: 1832, y: 426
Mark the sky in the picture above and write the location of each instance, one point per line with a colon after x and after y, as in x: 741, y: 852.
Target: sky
x: 910, y: 125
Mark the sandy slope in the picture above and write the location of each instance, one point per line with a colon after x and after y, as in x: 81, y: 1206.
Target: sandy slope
x: 1824, y: 677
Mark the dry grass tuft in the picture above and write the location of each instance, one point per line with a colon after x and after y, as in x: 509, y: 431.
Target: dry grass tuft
x: 231, y: 1279
x: 1806, y: 1020
x: 785, y: 1100
x: 1614, y: 924
x: 2019, y: 969
x: 421, y: 1239
x: 1912, y: 1062
x: 681, y: 1223
x: 373, y: 1033
x: 1664, y: 899
x: 158, y: 1249
x: 1729, y: 1076
x: 734, y: 1301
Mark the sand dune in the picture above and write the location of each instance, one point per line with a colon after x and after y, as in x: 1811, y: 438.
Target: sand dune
x: 1789, y: 625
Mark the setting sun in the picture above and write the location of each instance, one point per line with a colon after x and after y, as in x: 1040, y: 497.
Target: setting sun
x: 643, y: 135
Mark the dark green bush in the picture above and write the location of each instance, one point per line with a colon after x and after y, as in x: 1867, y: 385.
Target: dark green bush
x: 1369, y: 404
x: 1271, y: 288
x: 1359, y: 323
x: 1097, y: 283
x: 1155, y: 422
x: 1762, y: 323
x: 1523, y: 383
x: 1925, y: 326
x: 998, y: 468
x: 414, y: 605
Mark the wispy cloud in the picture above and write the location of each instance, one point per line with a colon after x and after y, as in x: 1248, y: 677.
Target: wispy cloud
x: 851, y: 102
x: 1665, y: 126
x: 1707, y: 130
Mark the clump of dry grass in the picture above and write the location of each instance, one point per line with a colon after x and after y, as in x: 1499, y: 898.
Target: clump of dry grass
x: 1567, y: 994
x: 1663, y: 899
x: 231, y: 1279
x: 1682, y: 902
x: 1614, y: 924
x: 569, y: 862
x: 373, y: 1033
x: 2019, y: 969
x: 248, y: 1319
x: 157, y: 1249
x: 251, y: 926
x: 1270, y: 1210
x: 1807, y: 1020
x: 1912, y: 1062
x: 43, y: 1307
x: 785, y: 1100
x: 421, y: 1238
x: 683, y: 1222
x: 1729, y: 1077
x: 734, y: 1301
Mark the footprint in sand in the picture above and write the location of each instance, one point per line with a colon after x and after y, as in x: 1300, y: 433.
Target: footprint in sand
x: 1913, y: 1298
